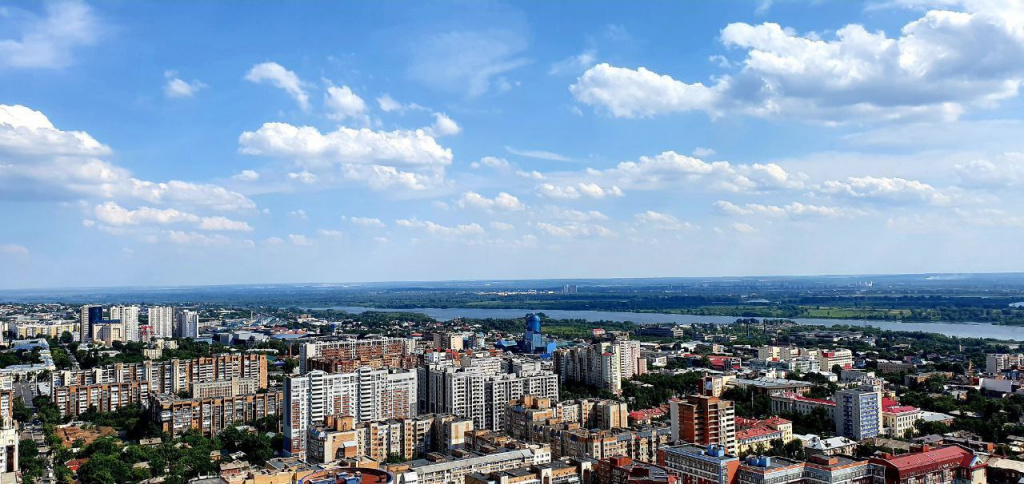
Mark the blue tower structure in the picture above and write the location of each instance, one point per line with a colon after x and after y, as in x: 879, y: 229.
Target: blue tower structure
x: 533, y: 340
x: 95, y: 314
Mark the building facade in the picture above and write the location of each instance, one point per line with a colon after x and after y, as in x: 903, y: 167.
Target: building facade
x: 161, y: 321
x: 112, y: 386
x: 129, y: 318
x: 482, y: 396
x: 211, y: 415
x: 858, y: 413
x: 704, y: 420
x: 953, y: 465
x: 699, y: 465
x: 365, y: 395
x: 598, y: 364
x: 347, y: 355
x: 88, y: 316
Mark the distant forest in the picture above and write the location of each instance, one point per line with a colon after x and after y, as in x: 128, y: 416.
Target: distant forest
x: 991, y: 298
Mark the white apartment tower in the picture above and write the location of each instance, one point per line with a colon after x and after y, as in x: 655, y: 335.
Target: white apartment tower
x: 161, y: 320
x: 599, y: 364
x: 478, y: 394
x: 630, y: 359
x: 129, y: 317
x: 187, y: 323
x: 367, y: 394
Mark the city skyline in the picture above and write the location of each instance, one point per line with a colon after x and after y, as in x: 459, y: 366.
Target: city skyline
x: 157, y: 144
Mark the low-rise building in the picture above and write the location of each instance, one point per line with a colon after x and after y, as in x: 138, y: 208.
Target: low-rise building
x: 794, y: 403
x: 776, y: 470
x: 623, y: 470
x: 47, y: 328
x: 773, y: 386
x: 456, y: 470
x: 841, y: 357
x: 951, y: 464
x: 894, y: 366
x: 753, y: 435
x: 694, y: 464
x: 897, y: 419
x: 828, y: 446
x: 555, y: 472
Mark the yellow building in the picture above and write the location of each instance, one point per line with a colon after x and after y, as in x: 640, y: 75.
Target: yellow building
x: 49, y: 329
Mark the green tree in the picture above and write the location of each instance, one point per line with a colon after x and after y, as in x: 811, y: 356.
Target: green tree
x: 21, y: 411
x: 105, y: 469
x: 46, y: 410
x: 289, y: 365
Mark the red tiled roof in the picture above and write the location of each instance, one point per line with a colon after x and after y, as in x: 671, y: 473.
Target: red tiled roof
x: 754, y: 432
x: 892, y: 406
x: 801, y: 398
x: 646, y: 413
x: 776, y: 420
x: 923, y: 461
x: 900, y: 409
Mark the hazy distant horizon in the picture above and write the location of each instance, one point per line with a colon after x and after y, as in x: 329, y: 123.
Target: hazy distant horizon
x: 961, y: 276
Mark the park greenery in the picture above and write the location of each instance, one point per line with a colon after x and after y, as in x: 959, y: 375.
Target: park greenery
x: 111, y: 460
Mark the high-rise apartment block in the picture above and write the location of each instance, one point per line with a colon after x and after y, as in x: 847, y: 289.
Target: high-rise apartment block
x: 161, y: 321
x: 407, y: 438
x: 630, y: 359
x: 89, y: 316
x: 186, y: 323
x: 129, y: 317
x: 704, y: 420
x: 113, y: 386
x: 602, y: 364
x: 347, y: 355
x: 858, y: 413
x: 366, y: 395
x: 481, y: 395
x: 841, y: 357
x: 211, y: 415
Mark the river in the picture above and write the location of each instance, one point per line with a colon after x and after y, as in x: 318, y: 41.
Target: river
x: 963, y: 330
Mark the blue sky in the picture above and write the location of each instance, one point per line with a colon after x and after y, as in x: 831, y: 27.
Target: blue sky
x: 171, y: 143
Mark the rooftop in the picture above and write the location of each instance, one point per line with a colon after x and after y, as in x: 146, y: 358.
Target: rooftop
x: 754, y: 432
x: 923, y: 461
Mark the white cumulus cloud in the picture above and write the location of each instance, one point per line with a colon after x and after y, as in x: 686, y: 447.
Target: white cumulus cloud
x: 343, y: 104
x: 794, y: 209
x: 891, y: 189
x: 462, y: 230
x: 662, y: 221
x: 444, y: 126
x: 299, y: 240
x: 276, y: 75
x: 574, y: 230
x: 367, y: 222
x: 177, y: 87
x: 48, y: 41
x: 221, y: 223
x: 939, y: 65
x: 502, y: 202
